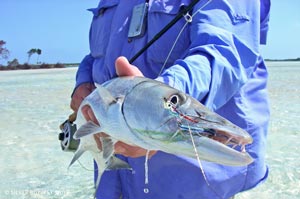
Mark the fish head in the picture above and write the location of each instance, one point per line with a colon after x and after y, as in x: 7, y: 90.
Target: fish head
x: 160, y: 113
x: 201, y: 121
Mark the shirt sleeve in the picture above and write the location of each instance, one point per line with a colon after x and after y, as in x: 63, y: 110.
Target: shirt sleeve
x: 224, y: 43
x: 264, y: 20
x: 84, y: 72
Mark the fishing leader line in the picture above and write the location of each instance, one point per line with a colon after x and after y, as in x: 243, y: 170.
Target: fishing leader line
x: 146, y: 190
x: 188, y: 18
x: 165, y: 29
x: 200, y: 165
x: 183, y: 13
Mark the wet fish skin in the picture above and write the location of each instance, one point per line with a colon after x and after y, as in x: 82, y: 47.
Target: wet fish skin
x: 147, y: 113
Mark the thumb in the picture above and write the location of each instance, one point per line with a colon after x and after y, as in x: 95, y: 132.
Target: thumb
x: 124, y: 68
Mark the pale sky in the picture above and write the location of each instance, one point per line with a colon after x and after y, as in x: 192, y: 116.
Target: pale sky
x: 60, y: 28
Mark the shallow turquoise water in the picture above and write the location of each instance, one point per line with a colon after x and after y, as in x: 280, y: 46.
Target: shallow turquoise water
x: 32, y: 105
x: 284, y: 134
x: 34, y: 102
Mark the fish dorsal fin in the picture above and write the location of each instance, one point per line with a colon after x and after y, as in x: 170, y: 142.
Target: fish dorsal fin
x: 76, y: 156
x: 88, y: 128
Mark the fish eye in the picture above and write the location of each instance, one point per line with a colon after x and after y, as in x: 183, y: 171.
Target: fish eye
x: 174, y: 100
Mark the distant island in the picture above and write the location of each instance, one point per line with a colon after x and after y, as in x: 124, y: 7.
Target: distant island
x: 37, y: 66
x: 297, y: 59
x: 15, y: 65
x: 27, y: 66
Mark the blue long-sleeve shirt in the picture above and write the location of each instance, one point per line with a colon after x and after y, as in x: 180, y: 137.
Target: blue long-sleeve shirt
x: 215, y: 59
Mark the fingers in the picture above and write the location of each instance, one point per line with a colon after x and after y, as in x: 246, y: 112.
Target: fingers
x: 97, y: 138
x: 124, y: 68
x: 88, y: 114
x: 80, y: 93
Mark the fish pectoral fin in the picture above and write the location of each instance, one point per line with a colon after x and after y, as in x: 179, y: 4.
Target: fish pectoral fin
x: 116, y: 163
x: 105, y: 96
x: 88, y: 128
x: 76, y: 156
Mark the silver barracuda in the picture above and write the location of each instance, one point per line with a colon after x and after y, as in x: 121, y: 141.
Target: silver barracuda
x: 149, y: 114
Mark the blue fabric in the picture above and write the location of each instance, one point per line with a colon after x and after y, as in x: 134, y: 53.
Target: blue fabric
x: 216, y: 59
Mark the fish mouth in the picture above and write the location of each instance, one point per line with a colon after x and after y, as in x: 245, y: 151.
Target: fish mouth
x: 196, y: 120
x: 220, y: 135
x: 216, y: 139
x: 226, y: 138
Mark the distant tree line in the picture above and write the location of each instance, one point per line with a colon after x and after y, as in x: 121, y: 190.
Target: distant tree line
x: 14, y: 64
x: 28, y: 66
x: 296, y: 59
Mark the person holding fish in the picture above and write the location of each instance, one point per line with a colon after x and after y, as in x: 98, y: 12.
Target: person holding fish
x: 212, y: 54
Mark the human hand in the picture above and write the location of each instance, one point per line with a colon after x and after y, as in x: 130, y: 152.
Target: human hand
x: 123, y: 68
x: 80, y: 93
x: 120, y: 147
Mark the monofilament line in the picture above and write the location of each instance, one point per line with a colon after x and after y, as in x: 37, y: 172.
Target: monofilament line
x: 200, y: 165
x: 188, y: 18
x: 197, y: 156
x: 146, y: 190
x: 85, y: 168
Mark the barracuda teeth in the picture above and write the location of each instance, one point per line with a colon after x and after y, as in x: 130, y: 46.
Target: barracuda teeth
x: 243, y: 148
x: 227, y: 142
x: 241, y: 143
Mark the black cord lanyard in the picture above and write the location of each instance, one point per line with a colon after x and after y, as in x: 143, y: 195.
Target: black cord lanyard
x: 181, y: 14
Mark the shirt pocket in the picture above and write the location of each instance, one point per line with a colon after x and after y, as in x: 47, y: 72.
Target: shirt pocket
x: 101, y: 26
x: 159, y: 15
